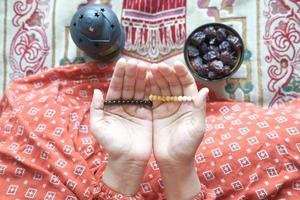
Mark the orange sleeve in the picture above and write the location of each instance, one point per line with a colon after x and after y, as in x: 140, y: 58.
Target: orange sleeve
x: 204, y: 194
x: 106, y: 193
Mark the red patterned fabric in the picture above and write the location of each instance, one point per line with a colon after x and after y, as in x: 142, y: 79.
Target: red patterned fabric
x: 47, y: 151
x: 155, y: 30
x: 35, y: 36
x: 107, y: 193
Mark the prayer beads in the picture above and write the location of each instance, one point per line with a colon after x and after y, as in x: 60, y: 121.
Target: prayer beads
x: 171, y: 98
x: 128, y: 102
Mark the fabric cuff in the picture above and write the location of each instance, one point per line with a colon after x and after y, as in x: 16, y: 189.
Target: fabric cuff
x: 106, y: 193
x: 204, y: 194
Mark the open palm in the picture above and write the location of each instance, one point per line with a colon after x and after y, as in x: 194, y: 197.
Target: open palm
x: 124, y: 130
x: 178, y: 127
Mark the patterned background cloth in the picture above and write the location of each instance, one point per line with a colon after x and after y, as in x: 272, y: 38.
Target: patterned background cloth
x: 35, y: 36
x: 47, y: 150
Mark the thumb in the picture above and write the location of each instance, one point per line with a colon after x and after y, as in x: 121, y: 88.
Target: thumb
x: 97, y: 105
x: 200, y: 99
x: 198, y: 116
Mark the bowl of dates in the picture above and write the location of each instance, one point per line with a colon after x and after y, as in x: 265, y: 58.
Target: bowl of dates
x: 213, y: 52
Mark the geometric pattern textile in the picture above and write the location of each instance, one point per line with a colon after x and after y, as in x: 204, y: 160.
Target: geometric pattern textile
x: 35, y: 36
x: 48, y: 152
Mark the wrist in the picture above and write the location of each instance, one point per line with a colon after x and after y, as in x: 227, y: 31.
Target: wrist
x: 181, y: 181
x: 123, y: 175
x: 168, y: 162
x: 178, y: 170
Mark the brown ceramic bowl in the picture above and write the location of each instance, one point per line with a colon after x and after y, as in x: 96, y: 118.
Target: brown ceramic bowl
x: 237, y: 52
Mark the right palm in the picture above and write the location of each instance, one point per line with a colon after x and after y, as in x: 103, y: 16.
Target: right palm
x: 178, y: 127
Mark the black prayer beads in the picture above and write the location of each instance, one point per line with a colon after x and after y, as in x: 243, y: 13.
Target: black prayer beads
x: 128, y: 102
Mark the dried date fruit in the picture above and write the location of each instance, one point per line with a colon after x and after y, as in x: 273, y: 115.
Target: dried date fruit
x: 211, y: 55
x: 224, y: 46
x: 213, y: 48
x: 198, y: 38
x: 234, y: 41
x: 203, y: 69
x: 203, y: 48
x: 196, y: 62
x: 216, y: 66
x: 221, y: 34
x: 205, y: 57
x: 212, y: 75
x: 192, y: 51
x: 227, y: 58
x: 210, y: 31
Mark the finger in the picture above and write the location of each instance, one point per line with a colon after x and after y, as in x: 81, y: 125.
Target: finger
x: 186, y: 79
x: 197, y: 126
x: 160, y: 80
x: 140, y: 83
x: 148, y: 86
x: 96, y: 109
x: 154, y: 88
x: 174, y: 83
x: 129, y: 79
x: 116, y: 84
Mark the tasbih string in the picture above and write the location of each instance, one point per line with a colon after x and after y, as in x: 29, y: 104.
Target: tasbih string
x: 149, y: 102
x: 171, y: 98
x: 128, y: 102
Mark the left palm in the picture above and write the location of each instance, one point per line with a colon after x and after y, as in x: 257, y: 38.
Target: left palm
x: 124, y: 131
x: 178, y: 127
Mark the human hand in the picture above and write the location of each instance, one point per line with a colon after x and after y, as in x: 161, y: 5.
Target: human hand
x: 124, y: 131
x: 178, y: 126
x: 178, y: 129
